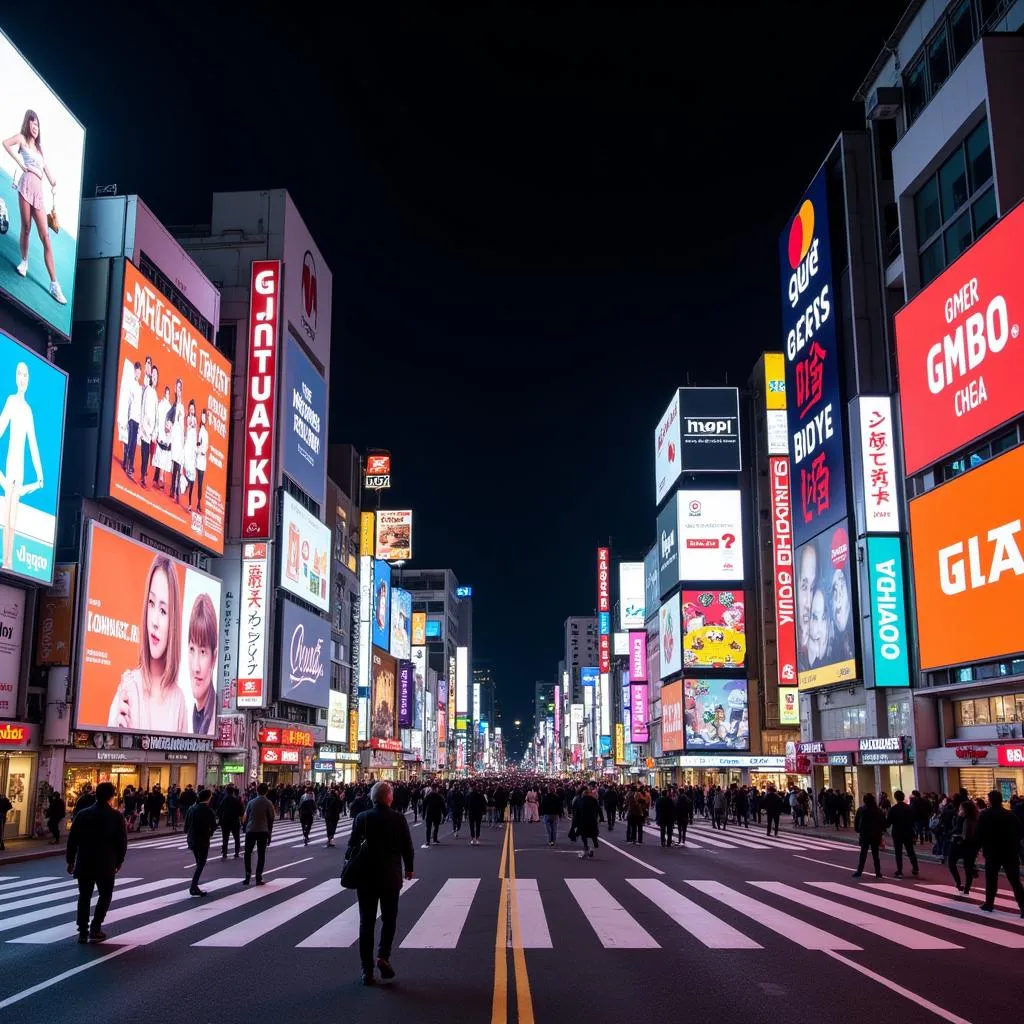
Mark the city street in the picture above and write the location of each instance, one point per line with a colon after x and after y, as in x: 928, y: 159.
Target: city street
x: 728, y: 928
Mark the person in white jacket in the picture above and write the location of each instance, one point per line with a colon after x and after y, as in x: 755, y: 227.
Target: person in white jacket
x: 177, y: 442
x: 147, y: 428
x: 190, y: 449
x: 202, y: 447
x: 162, y: 436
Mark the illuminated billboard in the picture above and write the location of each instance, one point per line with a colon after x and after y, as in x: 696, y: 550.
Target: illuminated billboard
x: 305, y: 547
x: 710, y: 536
x: 632, y: 600
x: 714, y: 633
x: 394, y: 535
x: 715, y: 712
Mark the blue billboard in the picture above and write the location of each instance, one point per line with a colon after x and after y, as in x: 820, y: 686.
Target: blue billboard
x: 304, y: 424
x: 589, y: 676
x: 604, y: 623
x: 463, y: 591
x: 380, y: 612
x: 815, y: 411
x: 652, y: 585
x: 891, y: 666
x: 31, y: 443
x: 305, y: 666
x: 667, y: 548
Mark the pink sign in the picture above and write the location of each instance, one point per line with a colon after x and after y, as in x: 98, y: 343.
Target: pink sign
x: 639, y: 713
x: 638, y: 657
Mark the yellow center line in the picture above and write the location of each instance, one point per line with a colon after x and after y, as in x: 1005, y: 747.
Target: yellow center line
x: 499, y: 1003
x: 524, y: 999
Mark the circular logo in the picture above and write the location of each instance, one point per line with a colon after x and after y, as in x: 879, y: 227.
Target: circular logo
x: 695, y: 507
x: 801, y: 234
x: 840, y: 549
x: 309, y: 289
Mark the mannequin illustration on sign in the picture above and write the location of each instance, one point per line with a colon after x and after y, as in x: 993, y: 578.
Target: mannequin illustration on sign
x: 17, y: 418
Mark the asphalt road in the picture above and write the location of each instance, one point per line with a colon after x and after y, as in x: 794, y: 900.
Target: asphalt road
x: 733, y: 928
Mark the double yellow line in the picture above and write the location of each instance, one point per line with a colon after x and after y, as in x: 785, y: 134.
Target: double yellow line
x: 508, y: 933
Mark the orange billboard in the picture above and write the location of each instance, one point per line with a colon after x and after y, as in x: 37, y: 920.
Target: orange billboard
x: 170, y: 446
x: 55, y: 618
x: 968, y: 549
x: 150, y: 641
x: 672, y: 717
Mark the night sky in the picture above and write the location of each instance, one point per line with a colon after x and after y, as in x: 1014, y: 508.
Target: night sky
x: 538, y: 224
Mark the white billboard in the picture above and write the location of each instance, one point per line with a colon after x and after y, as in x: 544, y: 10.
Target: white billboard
x: 670, y: 638
x: 667, y: 456
x: 710, y: 537
x: 461, y: 681
x: 305, y: 545
x: 337, y: 717
x: 878, y: 464
x: 631, y: 595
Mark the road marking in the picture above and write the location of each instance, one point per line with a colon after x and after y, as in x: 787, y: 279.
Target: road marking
x: 533, y: 925
x: 909, y: 938
x: 977, y: 895
x: 827, y: 863
x: 925, y: 1004
x: 702, y: 925
x: 636, y: 860
x: 499, y: 998
x: 524, y: 997
x: 291, y: 864
x: 612, y: 923
x: 30, y: 881
x: 342, y: 931
x: 52, y: 897
x: 34, y: 891
x: 441, y: 924
x: 792, y: 928
x: 962, y: 906
x: 25, y: 993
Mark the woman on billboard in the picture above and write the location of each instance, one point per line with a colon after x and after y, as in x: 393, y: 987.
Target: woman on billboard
x: 17, y: 417
x: 189, y: 450
x: 26, y: 150
x: 202, y: 657
x: 177, y: 420
x: 162, y: 455
x: 148, y: 696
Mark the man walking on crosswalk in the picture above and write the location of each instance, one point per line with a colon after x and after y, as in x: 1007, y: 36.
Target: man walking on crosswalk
x: 200, y: 824
x: 259, y: 824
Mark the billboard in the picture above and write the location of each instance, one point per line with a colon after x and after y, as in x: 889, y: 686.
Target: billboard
x: 305, y: 676
x: 150, y: 641
x: 710, y: 429
x: 620, y: 645
x: 652, y: 581
x: 419, y: 629
x: 12, y: 629
x: 782, y: 560
x: 305, y: 545
x: 710, y: 536
x: 672, y: 717
x: 776, y: 428
x: 826, y: 651
x: 669, y: 637
x: 169, y: 458
x: 968, y: 556
x: 43, y: 162
x: 589, y: 675
x: 260, y: 398
x: 715, y: 713
x: 638, y: 656
x: 253, y: 626
x: 789, y: 705
x: 958, y: 348
x: 304, y: 430
x: 401, y: 624
x: 381, y: 606
x: 639, y: 713
x: 668, y: 546
x: 31, y: 445
x: 714, y: 635
x: 384, y: 680
x: 406, y: 694
x: 814, y: 406
x: 462, y: 680
x: 874, y: 437
x: 620, y: 743
x: 394, y: 535
x: 308, y: 284
x: 55, y: 618
x: 890, y: 661
x: 337, y: 717
x: 632, y: 602
x: 604, y: 583
x: 667, y: 465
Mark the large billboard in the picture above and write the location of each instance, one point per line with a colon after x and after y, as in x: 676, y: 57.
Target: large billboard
x: 308, y: 285
x: 666, y: 450
x: 304, y: 430
x: 968, y: 552
x: 715, y: 713
x: 638, y: 656
x: 632, y: 605
x: 959, y: 351
x: 394, y: 535
x: 814, y: 406
x: 253, y: 627
x: 305, y: 676
x: 639, y: 713
x: 710, y: 430
x: 170, y: 440
x: 337, y: 717
x: 401, y: 624
x: 672, y: 734
x: 40, y: 178
x: 782, y: 561
x: 381, y: 605
x: 710, y: 536
x: 890, y: 660
x: 874, y: 452
x: 305, y: 547
x: 150, y: 641
x: 670, y: 637
x: 31, y: 445
x: 652, y: 581
x: 826, y: 623
x: 668, y: 546
x: 714, y: 633
x: 384, y: 715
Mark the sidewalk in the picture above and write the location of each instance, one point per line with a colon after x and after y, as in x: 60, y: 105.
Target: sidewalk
x: 19, y: 850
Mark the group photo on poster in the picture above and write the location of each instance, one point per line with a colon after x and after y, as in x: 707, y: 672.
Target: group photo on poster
x: 713, y: 629
x: 151, y: 641
x: 715, y: 714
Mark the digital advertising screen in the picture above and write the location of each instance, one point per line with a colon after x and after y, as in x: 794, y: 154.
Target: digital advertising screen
x: 305, y: 676
x: 401, y: 624
x: 384, y: 711
x: 304, y: 424
x: 380, y: 611
x: 670, y: 635
x: 305, y: 554
x: 715, y: 713
x: 710, y: 536
x: 713, y: 629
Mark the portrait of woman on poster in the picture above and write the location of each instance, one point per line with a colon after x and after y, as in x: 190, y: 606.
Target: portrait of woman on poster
x: 148, y: 696
x: 189, y: 451
x: 17, y: 418
x: 26, y: 150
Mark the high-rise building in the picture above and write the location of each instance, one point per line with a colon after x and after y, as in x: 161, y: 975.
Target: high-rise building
x: 580, y: 648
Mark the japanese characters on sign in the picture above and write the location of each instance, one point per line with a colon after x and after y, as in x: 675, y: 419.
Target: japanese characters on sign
x: 252, y: 628
x: 878, y: 464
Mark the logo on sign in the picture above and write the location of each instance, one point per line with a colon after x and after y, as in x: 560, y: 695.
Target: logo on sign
x: 309, y: 303
x: 966, y: 565
x: 713, y: 427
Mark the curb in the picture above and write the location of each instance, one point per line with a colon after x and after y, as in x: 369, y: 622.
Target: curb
x: 27, y: 853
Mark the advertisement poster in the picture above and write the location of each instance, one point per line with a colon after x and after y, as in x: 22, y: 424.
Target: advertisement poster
x: 710, y: 536
x: 667, y: 462
x: 652, y: 582
x: 50, y: 143
x: 670, y: 634
x: 305, y: 656
x: 405, y: 695
x: 710, y: 430
x: 337, y: 717
x: 672, y: 717
x: 401, y: 624
x: 12, y: 627
x: 815, y: 412
x: 150, y: 639
x: 638, y: 657
x: 305, y: 554
x: 34, y: 395
x: 384, y: 682
x: 714, y: 634
x: 668, y: 546
x: 782, y: 561
x: 639, y: 713
x: 716, y: 714
x: 825, y: 611
x: 890, y: 660
x: 394, y: 535
x: 631, y: 595
x: 55, y: 618
x: 875, y: 456
x: 419, y: 628
x: 171, y: 420
x: 252, y: 627
x: 381, y: 608
x: 789, y: 705
x: 304, y: 430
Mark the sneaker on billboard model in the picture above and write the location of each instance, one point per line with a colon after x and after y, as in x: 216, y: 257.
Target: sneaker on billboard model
x: 22, y: 267
x: 58, y: 295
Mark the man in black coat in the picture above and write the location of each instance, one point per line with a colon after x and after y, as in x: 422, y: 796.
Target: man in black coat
x: 388, y: 849
x: 97, y: 844
x: 200, y: 824
x: 586, y: 815
x: 332, y: 812
x: 229, y: 813
x: 999, y: 835
x: 773, y: 809
x: 433, y: 812
x: 900, y: 822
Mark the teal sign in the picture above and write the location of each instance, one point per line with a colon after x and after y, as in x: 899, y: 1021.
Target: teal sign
x: 889, y: 638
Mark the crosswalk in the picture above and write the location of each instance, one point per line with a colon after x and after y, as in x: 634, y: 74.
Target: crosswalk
x: 599, y: 912
x: 286, y: 833
x: 701, y: 835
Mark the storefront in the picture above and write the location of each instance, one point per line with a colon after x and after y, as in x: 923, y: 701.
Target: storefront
x: 979, y: 767
x: 705, y: 770
x: 19, y: 766
x: 286, y: 754
x: 868, y: 764
x: 334, y: 765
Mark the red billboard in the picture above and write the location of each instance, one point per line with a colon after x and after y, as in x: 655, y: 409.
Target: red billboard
x: 782, y: 557
x: 264, y: 339
x: 960, y: 353
x: 604, y: 599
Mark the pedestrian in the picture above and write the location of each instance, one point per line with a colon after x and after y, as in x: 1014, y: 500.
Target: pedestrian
x: 200, y: 824
x: 307, y: 812
x: 97, y: 845
x: 551, y: 809
x: 456, y: 807
x: 586, y: 820
x: 259, y: 825
x: 332, y: 812
x: 999, y: 836
x: 900, y: 822
x: 229, y: 814
x: 684, y: 815
x: 665, y: 817
x: 476, y: 805
x: 86, y: 798
x: 869, y: 824
x: 388, y: 847
x: 5, y: 809
x: 964, y: 845
x: 56, y: 812
x: 773, y: 808
x: 433, y: 812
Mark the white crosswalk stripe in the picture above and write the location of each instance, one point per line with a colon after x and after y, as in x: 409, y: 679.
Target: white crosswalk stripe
x: 702, y: 925
x: 7, y: 886
x: 32, y: 900
x: 611, y: 922
x: 342, y: 931
x: 533, y: 925
x: 977, y: 895
x: 441, y: 924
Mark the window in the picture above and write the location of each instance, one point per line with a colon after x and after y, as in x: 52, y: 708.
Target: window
x: 938, y: 60
x: 989, y: 450
x: 961, y: 30
x: 953, y: 183
x: 915, y: 89
x: 926, y: 209
x: 979, y: 156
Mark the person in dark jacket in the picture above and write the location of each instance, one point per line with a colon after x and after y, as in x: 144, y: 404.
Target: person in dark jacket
x: 388, y: 849
x: 869, y: 824
x: 433, y: 812
x: 684, y: 815
x: 773, y: 809
x: 85, y: 799
x: 999, y: 836
x: 552, y: 807
x: 229, y: 814
x: 964, y: 844
x: 665, y: 817
x: 97, y: 845
x: 331, y: 812
x: 476, y: 805
x: 900, y: 822
x: 200, y: 824
x: 56, y: 812
x: 307, y: 812
x: 5, y: 809
x: 586, y: 819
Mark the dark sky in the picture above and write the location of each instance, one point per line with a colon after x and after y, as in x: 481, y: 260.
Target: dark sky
x: 537, y: 222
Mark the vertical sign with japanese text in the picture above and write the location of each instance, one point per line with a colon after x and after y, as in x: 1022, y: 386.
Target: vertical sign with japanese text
x: 877, y: 463
x: 782, y: 561
x: 604, y: 607
x: 252, y: 628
